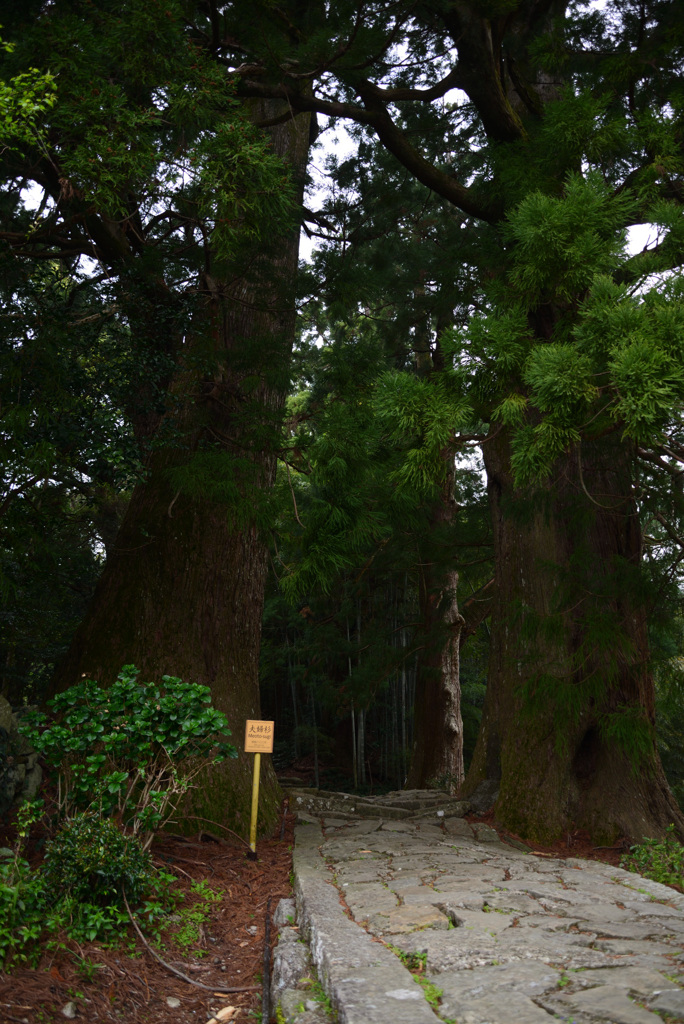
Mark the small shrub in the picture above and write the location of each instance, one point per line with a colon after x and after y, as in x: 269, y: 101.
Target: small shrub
x: 123, y: 757
x: 659, y: 859
x: 93, y: 862
x: 87, y: 922
x: 79, y: 889
x: 132, y: 750
x: 23, y: 903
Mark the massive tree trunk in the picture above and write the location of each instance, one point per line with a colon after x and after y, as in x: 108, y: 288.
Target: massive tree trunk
x: 182, y: 590
x: 568, y: 726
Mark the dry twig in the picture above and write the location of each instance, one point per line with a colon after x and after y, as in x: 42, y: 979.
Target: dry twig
x: 179, y: 974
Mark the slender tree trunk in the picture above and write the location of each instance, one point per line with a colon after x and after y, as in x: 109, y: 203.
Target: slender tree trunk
x: 353, y: 717
x: 437, y: 755
x: 182, y: 592
x: 437, y: 751
x: 360, y: 716
x: 404, y: 745
x: 438, y: 727
x: 385, y: 739
x: 293, y: 691
x: 361, y: 746
x: 314, y: 727
x: 355, y: 772
x: 568, y: 725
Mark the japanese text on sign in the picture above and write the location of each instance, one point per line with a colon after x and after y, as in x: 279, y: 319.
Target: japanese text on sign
x: 258, y: 737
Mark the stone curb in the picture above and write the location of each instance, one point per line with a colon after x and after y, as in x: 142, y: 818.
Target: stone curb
x: 291, y: 995
x: 366, y: 983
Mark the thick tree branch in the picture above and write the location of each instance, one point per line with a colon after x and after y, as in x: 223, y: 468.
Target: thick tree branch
x: 656, y: 460
x: 313, y: 217
x: 479, y: 69
x: 375, y: 115
x: 445, y: 185
x: 434, y: 92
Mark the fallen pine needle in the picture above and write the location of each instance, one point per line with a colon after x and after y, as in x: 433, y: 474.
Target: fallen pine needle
x: 179, y: 974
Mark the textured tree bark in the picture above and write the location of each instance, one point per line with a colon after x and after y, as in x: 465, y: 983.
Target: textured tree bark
x: 437, y: 751
x: 437, y: 756
x: 182, y: 591
x: 568, y: 722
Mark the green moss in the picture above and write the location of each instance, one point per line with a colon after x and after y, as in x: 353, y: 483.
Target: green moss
x: 226, y: 798
x: 519, y: 812
x: 432, y: 992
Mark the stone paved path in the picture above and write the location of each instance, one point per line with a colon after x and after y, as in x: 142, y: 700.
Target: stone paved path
x: 507, y: 937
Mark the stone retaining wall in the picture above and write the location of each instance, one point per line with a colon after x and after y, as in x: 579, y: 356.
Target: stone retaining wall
x: 20, y: 773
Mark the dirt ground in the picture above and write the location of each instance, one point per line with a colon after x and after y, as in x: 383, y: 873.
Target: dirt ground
x: 105, y: 985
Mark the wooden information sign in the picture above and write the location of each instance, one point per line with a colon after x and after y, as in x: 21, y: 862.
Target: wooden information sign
x: 258, y: 741
x: 258, y: 737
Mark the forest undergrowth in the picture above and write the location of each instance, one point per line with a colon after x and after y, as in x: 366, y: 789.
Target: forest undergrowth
x: 215, y: 934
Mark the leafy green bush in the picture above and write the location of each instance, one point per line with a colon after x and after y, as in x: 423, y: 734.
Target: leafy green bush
x: 659, y: 859
x: 23, y: 903
x: 91, y: 860
x: 132, y: 750
x: 124, y: 757
x: 79, y: 889
x: 86, y: 922
x: 23, y: 897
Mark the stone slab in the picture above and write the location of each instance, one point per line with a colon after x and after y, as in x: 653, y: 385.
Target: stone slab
x: 366, y: 900
x: 494, y: 1009
x: 291, y: 963
x: 416, y: 917
x: 670, y: 1002
x: 648, y: 950
x: 458, y: 827
x: 485, y: 834
x: 630, y: 977
x: 297, y: 1009
x: 530, y: 978
x: 608, y: 1003
x: 285, y: 913
x: 361, y: 828
x: 416, y: 894
x: 355, y: 873
x: 479, y: 922
x: 426, y: 830
x: 511, y: 902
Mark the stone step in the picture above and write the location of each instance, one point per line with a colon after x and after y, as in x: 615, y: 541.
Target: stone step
x: 345, y: 805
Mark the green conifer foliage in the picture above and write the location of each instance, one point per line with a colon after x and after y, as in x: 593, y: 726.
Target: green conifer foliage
x: 352, y: 546
x: 569, y: 133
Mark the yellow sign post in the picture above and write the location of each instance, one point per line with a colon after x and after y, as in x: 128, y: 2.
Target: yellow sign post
x: 258, y: 741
